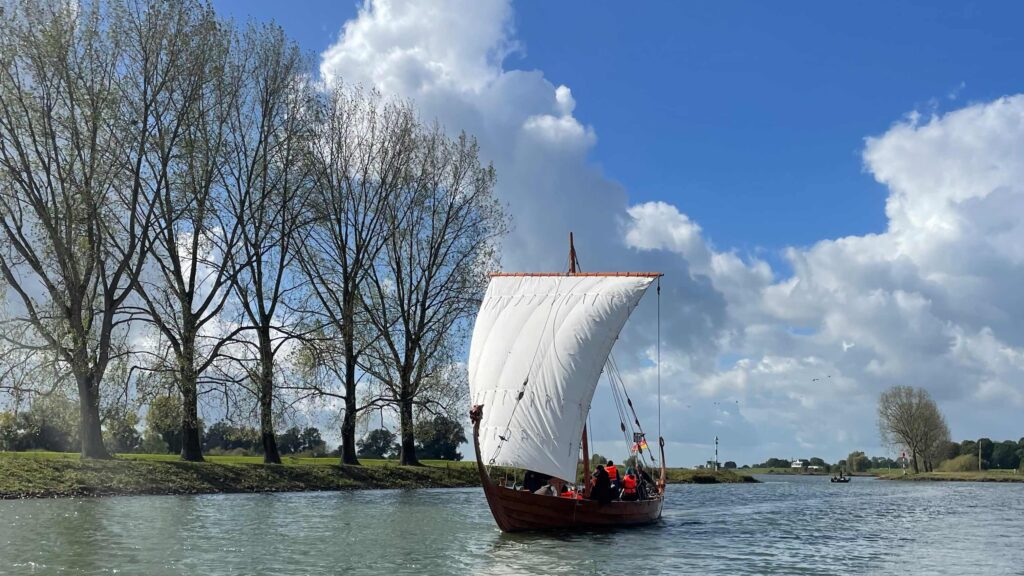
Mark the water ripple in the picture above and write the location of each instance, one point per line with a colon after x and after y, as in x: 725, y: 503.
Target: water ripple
x: 800, y: 525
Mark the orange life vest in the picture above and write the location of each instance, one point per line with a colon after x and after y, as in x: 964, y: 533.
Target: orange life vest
x: 570, y: 494
x: 613, y: 474
x: 629, y: 485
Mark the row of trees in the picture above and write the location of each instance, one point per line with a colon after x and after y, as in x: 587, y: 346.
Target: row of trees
x: 51, y: 424
x: 184, y: 209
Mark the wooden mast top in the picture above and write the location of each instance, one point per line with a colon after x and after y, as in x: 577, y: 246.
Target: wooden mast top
x: 572, y: 255
x: 584, y: 441
x: 574, y: 269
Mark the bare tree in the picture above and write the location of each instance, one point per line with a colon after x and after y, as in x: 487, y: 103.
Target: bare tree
x: 186, y: 283
x: 265, y: 174
x: 80, y: 97
x: 430, y: 278
x: 908, y: 417
x: 361, y: 156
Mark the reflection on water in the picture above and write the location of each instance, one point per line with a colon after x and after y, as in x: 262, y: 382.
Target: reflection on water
x: 795, y: 525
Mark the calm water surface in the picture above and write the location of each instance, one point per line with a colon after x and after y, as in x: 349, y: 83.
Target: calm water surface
x: 793, y: 525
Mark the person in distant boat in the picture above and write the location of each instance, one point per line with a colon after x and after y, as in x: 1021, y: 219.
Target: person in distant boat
x: 613, y: 476
x: 602, y: 490
x: 630, y: 490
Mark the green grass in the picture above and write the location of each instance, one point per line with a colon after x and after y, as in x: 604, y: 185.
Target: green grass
x: 982, y: 476
x: 47, y: 474
x: 54, y: 474
x: 693, y: 476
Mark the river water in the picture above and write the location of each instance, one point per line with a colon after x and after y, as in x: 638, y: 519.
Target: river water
x: 789, y: 524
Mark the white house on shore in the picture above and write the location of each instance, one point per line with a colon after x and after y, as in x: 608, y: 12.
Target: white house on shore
x: 797, y: 464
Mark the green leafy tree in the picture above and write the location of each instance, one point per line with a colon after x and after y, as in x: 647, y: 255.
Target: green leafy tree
x: 439, y: 438
x: 8, y: 431
x: 289, y: 442
x: 120, y: 431
x: 857, y: 462
x: 50, y: 423
x: 730, y: 465
x: 311, y: 441
x: 226, y: 436
x: 1005, y: 455
x: 968, y: 448
x: 163, y: 421
x: 379, y: 443
x: 597, y: 460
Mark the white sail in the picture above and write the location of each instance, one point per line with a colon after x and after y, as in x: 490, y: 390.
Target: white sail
x: 552, y: 333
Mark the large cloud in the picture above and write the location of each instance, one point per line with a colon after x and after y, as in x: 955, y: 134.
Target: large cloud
x: 775, y: 366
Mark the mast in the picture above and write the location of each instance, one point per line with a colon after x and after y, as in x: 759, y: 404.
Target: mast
x: 583, y: 441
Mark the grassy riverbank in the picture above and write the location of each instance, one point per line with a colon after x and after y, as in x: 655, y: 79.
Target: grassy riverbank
x: 982, y: 476
x: 691, y: 476
x: 53, y: 475
x: 35, y: 475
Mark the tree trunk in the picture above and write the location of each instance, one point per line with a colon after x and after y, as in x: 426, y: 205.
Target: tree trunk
x: 913, y: 455
x: 89, y: 428
x: 348, y: 424
x: 191, y: 441
x: 266, y: 388
x: 408, y: 439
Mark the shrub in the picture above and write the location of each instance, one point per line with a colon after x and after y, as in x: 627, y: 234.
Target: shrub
x: 230, y: 452
x: 962, y: 463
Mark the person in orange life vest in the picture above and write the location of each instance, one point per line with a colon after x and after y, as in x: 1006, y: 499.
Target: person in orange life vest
x: 568, y: 492
x: 629, y: 486
x: 613, y: 476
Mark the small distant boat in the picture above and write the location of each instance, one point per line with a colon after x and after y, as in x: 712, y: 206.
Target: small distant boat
x: 841, y: 479
x: 538, y: 349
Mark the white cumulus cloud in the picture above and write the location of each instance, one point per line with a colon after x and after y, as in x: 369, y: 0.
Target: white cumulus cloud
x: 771, y: 364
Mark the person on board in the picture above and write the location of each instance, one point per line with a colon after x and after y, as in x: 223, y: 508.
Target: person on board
x: 613, y: 476
x: 645, y: 481
x: 533, y: 481
x: 630, y: 492
x: 570, y: 492
x: 602, y: 490
x: 552, y: 488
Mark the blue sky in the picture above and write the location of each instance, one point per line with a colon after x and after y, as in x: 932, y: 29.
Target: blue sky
x: 750, y: 151
x: 752, y: 104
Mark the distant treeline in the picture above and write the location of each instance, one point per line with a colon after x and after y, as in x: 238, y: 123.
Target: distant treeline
x: 52, y: 425
x: 952, y: 457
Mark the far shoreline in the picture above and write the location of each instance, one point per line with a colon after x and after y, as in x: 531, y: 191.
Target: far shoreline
x: 58, y: 475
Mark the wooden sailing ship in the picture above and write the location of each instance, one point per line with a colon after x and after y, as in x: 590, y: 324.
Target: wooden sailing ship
x: 539, y: 346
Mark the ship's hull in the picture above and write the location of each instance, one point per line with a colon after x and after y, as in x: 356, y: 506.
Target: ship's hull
x: 518, y: 510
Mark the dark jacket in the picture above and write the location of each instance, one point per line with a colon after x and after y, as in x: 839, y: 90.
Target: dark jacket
x: 602, y: 490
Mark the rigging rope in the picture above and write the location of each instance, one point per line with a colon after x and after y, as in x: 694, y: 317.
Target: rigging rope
x: 622, y: 400
x: 658, y: 358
